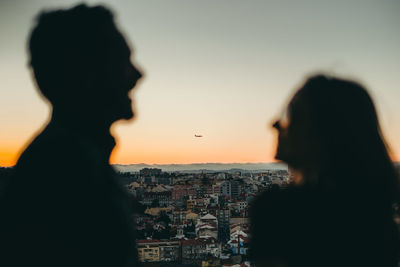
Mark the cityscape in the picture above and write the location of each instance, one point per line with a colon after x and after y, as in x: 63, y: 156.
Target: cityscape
x: 199, y: 219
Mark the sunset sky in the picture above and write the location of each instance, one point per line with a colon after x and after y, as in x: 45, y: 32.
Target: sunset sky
x: 220, y: 68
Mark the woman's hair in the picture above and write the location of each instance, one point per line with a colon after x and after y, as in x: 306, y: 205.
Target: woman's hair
x: 351, y: 152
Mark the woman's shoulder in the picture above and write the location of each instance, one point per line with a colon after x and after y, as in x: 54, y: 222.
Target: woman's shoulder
x: 280, y: 208
x: 281, y: 196
x: 271, y: 205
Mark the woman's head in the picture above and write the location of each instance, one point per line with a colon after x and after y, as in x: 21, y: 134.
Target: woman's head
x: 325, y: 118
x: 332, y: 128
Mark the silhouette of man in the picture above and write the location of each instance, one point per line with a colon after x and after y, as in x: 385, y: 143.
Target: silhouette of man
x: 64, y: 206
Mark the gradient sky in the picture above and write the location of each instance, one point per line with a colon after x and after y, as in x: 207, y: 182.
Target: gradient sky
x: 223, y: 69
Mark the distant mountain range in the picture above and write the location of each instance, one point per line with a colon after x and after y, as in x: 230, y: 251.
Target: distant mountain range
x: 204, y: 167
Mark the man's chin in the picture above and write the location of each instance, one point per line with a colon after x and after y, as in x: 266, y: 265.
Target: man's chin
x: 126, y: 116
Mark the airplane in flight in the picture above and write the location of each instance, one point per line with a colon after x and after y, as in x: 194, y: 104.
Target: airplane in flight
x: 198, y: 135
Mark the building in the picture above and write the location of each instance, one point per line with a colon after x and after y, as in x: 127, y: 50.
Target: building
x: 181, y: 191
x: 150, y: 172
x: 163, y: 180
x: 206, y: 230
x: 190, y: 204
x: 235, y: 188
x: 194, y: 251
x: 238, y: 241
x: 170, y: 250
x: 230, y: 188
x: 156, y: 250
x: 148, y: 250
x: 209, y: 219
x: 179, y: 216
x: 223, y: 225
x: 225, y: 188
x: 162, y: 198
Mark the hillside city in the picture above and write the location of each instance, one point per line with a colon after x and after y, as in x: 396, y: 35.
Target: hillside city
x: 196, y: 219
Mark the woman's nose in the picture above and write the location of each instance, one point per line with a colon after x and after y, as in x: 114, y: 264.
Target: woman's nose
x: 276, y: 125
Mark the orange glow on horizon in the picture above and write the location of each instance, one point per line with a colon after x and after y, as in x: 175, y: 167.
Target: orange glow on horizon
x: 8, y: 156
x: 180, y: 157
x: 153, y: 155
x: 167, y: 160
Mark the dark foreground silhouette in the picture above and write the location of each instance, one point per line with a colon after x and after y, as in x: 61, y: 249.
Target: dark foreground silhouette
x: 63, y: 206
x: 338, y: 211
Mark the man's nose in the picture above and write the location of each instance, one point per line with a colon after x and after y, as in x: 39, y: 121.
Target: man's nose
x: 136, y: 74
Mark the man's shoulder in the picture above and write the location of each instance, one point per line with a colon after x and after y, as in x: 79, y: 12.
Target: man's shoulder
x: 51, y: 145
x: 54, y: 156
x: 59, y: 160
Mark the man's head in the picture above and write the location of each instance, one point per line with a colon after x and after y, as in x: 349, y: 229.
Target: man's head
x: 81, y: 63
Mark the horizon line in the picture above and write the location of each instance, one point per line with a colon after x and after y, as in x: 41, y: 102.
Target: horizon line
x: 192, y: 163
x: 143, y: 163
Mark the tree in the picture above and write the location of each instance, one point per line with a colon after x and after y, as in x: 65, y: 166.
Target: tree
x: 163, y: 217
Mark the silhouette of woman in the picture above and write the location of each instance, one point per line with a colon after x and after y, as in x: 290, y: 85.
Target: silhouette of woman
x: 338, y: 209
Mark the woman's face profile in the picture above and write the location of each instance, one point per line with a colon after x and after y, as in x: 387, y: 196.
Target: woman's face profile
x: 294, y: 134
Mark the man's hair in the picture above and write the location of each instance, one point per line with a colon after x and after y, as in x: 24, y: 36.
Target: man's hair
x: 65, y: 44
